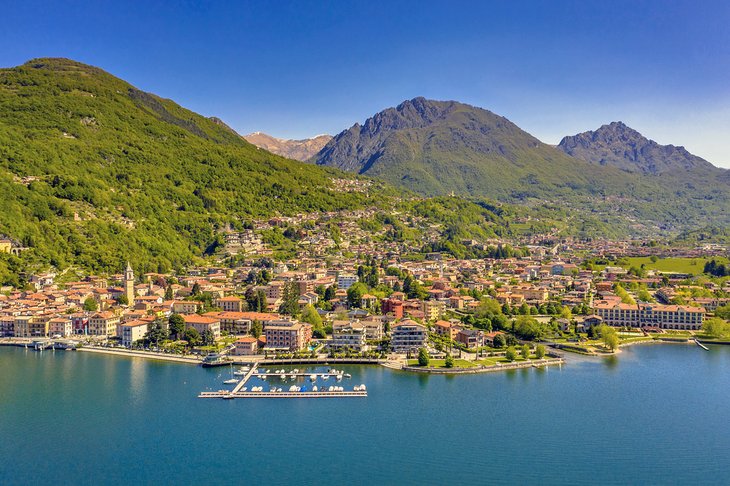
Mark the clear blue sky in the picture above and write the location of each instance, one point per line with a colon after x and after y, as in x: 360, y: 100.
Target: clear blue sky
x: 302, y: 68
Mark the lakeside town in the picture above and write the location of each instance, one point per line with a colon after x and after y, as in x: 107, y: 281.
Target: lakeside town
x: 380, y: 302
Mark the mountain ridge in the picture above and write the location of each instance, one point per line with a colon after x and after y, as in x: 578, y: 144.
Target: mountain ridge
x: 302, y: 149
x: 620, y: 146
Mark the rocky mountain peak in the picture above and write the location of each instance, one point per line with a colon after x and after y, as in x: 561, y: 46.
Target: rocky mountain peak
x: 619, y: 145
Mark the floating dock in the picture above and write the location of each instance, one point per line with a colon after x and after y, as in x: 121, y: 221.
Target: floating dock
x: 283, y: 394
x: 238, y: 393
x: 300, y: 375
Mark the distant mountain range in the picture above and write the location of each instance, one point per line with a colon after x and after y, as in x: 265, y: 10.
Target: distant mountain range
x: 292, y: 149
x: 442, y: 147
x: 94, y: 171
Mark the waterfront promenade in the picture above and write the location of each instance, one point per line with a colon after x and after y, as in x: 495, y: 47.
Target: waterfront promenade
x: 535, y: 363
x: 130, y: 353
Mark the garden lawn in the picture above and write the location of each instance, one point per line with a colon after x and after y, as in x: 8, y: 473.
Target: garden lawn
x: 693, y: 266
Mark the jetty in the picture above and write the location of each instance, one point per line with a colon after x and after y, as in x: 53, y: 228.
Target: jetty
x: 701, y: 345
x: 239, y: 391
x: 284, y: 394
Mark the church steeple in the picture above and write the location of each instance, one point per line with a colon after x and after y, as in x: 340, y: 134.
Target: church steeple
x: 129, y: 284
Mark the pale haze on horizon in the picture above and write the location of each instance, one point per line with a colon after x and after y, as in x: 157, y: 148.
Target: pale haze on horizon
x: 294, y: 70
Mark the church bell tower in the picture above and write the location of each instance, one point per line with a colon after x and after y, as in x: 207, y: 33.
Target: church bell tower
x: 129, y: 284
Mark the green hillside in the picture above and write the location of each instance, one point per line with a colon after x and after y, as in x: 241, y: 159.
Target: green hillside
x: 94, y: 171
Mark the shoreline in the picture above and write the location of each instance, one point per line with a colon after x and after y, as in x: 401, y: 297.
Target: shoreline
x: 140, y: 354
x: 389, y: 364
x: 485, y: 369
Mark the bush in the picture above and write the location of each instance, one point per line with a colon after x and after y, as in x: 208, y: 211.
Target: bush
x: 423, y: 358
x: 511, y: 354
x: 499, y: 341
x: 449, y: 362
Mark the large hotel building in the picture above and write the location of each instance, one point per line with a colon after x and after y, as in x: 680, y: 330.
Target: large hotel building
x: 650, y: 315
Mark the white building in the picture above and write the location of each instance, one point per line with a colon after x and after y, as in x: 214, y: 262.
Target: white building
x: 407, y: 336
x: 346, y: 280
x: 352, y: 337
x: 132, y: 331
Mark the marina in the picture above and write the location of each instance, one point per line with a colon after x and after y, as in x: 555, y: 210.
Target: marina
x: 294, y: 391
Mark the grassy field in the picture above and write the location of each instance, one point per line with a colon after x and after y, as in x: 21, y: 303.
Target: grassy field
x: 693, y: 266
x: 440, y: 363
x: 491, y: 361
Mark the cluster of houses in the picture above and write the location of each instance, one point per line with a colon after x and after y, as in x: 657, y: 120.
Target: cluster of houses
x: 451, y: 288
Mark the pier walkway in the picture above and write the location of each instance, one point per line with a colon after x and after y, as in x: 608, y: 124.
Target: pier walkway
x: 239, y: 385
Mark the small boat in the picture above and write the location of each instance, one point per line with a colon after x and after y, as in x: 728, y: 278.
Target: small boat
x: 314, y: 388
x: 232, y: 381
x: 325, y: 377
x: 348, y: 375
x: 228, y: 397
x: 313, y: 377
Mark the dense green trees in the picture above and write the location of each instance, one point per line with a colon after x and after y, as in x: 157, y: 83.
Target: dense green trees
x: 499, y: 341
x: 176, y: 326
x: 95, y: 172
x: 717, y: 269
x: 208, y: 338
x: 355, y: 293
x: 256, y: 329
x: 716, y: 328
x: 609, y: 336
x: 529, y: 328
x: 723, y: 312
x: 290, y: 304
x: 155, y: 333
x: 192, y: 336
x: 255, y: 300
x: 310, y: 315
x: 624, y: 295
x: 90, y: 304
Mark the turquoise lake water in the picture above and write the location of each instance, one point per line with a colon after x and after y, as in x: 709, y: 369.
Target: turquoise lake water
x: 656, y: 414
